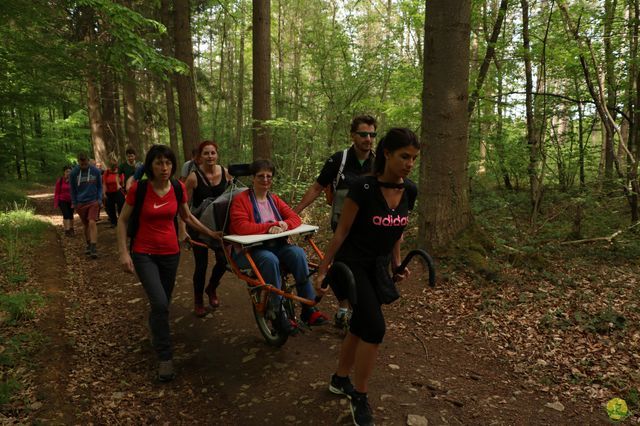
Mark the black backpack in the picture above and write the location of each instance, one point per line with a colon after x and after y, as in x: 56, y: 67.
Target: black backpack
x: 141, y: 192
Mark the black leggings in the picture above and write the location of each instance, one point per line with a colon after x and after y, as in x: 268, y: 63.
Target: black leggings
x: 113, y: 206
x: 367, y: 321
x: 65, y: 208
x: 201, y: 257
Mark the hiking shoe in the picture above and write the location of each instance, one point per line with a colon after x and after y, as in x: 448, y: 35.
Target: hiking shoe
x: 93, y: 252
x: 165, y: 371
x: 361, y: 410
x: 87, y: 251
x: 341, y: 386
x: 312, y: 316
x: 341, y: 320
x: 199, y: 310
x: 214, y: 302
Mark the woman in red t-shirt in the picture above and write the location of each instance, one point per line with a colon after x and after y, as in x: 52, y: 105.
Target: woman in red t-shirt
x: 112, y: 181
x: 62, y: 200
x: 155, y: 251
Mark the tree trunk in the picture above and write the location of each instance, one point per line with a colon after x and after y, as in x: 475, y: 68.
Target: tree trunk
x: 237, y: 146
x: 37, y: 133
x: 118, y: 127
x: 95, y: 120
x: 165, y: 17
x: 610, y: 59
x: 23, y: 140
x: 108, y: 111
x: 533, y: 134
x: 491, y: 50
x: 262, y: 145
x: 189, y: 123
x: 132, y: 126
x: 444, y: 184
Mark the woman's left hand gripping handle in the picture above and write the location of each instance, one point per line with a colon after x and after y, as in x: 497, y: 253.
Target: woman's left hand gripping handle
x: 321, y: 285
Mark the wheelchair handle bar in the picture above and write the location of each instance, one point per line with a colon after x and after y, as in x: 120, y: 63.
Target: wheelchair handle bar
x: 428, y: 260
x: 340, y: 271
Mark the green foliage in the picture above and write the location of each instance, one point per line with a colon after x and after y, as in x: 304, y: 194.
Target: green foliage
x: 126, y: 46
x: 12, y: 193
x: 7, y: 388
x: 603, y: 322
x: 19, y: 229
x: 16, y: 350
x: 20, y: 306
x: 633, y: 399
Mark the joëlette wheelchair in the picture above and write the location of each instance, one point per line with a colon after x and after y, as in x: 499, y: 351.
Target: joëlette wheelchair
x: 261, y: 293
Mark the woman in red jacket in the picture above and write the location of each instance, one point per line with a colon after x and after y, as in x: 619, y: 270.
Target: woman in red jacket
x: 112, y: 181
x: 258, y: 211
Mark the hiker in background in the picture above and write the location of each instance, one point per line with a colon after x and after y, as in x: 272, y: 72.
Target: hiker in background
x: 112, y: 181
x: 337, y: 174
x: 85, y: 183
x: 137, y: 175
x: 128, y: 168
x: 62, y: 200
x: 208, y: 180
x: 190, y: 165
x: 149, y: 217
x: 369, y: 245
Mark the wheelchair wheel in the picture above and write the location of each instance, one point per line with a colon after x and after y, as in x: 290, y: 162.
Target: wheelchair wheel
x: 267, y: 317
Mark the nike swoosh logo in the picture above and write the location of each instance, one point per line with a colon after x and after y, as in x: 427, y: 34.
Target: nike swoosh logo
x: 157, y: 206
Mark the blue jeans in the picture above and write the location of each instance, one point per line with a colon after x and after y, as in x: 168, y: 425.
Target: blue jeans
x: 157, y: 274
x: 268, y: 259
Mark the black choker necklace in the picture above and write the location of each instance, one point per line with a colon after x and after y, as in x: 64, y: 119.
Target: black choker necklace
x: 391, y: 185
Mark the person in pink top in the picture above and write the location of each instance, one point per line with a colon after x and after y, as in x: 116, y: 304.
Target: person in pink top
x: 258, y: 211
x: 62, y: 200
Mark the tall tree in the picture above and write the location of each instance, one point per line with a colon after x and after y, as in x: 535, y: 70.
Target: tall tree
x: 107, y: 93
x: 444, y: 184
x: 189, y: 123
x: 489, y: 54
x: 165, y: 41
x: 262, y: 145
x: 131, y: 118
x: 95, y: 120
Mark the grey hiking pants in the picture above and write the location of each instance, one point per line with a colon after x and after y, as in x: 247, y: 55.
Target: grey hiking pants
x: 158, y: 275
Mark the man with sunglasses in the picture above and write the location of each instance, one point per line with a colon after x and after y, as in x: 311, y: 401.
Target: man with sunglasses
x: 337, y: 174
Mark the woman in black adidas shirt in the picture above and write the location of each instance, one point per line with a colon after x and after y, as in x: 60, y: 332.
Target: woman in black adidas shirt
x: 373, y: 219
x: 209, y: 179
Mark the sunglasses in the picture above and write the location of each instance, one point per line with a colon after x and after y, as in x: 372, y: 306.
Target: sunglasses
x: 365, y: 134
x: 264, y: 177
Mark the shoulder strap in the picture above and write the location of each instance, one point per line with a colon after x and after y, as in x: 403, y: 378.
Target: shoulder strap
x: 203, y: 177
x: 177, y: 189
x: 256, y: 210
x: 134, y: 220
x: 341, y: 169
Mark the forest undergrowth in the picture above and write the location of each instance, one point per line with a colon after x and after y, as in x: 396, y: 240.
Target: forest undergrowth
x: 559, y: 297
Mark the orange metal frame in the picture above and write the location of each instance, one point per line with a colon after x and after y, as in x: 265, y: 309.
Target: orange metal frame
x: 259, y: 281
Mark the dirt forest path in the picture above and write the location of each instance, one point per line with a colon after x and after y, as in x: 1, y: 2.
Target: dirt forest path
x: 98, y: 366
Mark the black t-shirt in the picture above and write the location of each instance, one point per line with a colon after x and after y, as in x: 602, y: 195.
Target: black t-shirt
x: 204, y: 188
x: 352, y: 168
x: 128, y: 170
x: 376, y: 227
